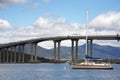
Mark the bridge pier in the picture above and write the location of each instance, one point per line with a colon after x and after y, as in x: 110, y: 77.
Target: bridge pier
x: 72, y: 51
x: 33, y: 52
x: 7, y: 56
x: 22, y: 51
x: 54, y: 51
x: 59, y: 50
x: 0, y: 55
x: 76, y: 50
x: 91, y: 47
x: 55, y: 45
x: 35, y: 49
x: 19, y: 54
x: 11, y: 54
x: 3, y: 53
x: 87, y: 47
x: 118, y: 37
x: 31, y: 58
x: 14, y: 54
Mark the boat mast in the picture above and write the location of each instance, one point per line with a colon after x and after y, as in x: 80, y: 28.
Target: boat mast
x: 86, y: 33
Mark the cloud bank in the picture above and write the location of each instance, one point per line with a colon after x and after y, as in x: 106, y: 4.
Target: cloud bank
x: 104, y: 24
x: 6, y: 3
x: 107, y: 21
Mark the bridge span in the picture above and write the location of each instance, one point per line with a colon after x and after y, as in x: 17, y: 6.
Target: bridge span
x: 9, y: 49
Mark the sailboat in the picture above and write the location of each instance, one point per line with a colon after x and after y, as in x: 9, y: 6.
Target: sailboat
x: 90, y: 62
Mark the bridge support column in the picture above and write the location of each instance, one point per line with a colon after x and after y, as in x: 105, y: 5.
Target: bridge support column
x: 35, y: 49
x: 4, y: 55
x: 22, y: 53
x: 14, y: 54
x: 7, y: 55
x: 118, y: 37
x: 0, y: 56
x: 11, y: 54
x: 54, y: 51
x: 19, y: 56
x: 72, y: 51
x: 86, y: 47
x: 33, y: 52
x: 76, y: 50
x: 31, y: 58
x: 91, y: 47
x: 59, y: 50
x: 58, y: 55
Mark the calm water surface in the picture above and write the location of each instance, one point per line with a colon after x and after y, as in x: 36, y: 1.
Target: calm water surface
x: 46, y: 71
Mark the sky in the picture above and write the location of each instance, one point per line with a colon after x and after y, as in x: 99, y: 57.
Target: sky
x: 28, y: 19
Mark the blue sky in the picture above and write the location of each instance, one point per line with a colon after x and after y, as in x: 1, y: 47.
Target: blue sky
x: 27, y: 19
x: 72, y: 10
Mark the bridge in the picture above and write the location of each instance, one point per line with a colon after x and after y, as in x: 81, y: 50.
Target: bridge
x: 9, y: 49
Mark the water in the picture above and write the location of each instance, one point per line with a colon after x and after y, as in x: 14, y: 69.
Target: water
x: 46, y: 71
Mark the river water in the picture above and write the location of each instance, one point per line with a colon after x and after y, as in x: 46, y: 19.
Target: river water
x: 46, y: 71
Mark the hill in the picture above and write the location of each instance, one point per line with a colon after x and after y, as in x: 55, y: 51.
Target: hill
x: 98, y: 51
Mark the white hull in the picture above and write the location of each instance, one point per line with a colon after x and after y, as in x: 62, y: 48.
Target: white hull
x: 91, y: 66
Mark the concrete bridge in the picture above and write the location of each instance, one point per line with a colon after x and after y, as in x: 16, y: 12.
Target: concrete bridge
x: 10, y: 48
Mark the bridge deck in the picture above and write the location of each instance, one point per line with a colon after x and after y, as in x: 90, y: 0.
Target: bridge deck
x: 99, y: 37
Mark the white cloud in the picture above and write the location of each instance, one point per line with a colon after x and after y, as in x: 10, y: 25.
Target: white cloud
x: 52, y: 27
x: 47, y: 27
x: 4, y: 25
x: 5, y: 3
x: 107, y: 21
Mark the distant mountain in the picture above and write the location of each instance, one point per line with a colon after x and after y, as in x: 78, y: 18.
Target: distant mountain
x: 98, y: 51
x: 42, y: 52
